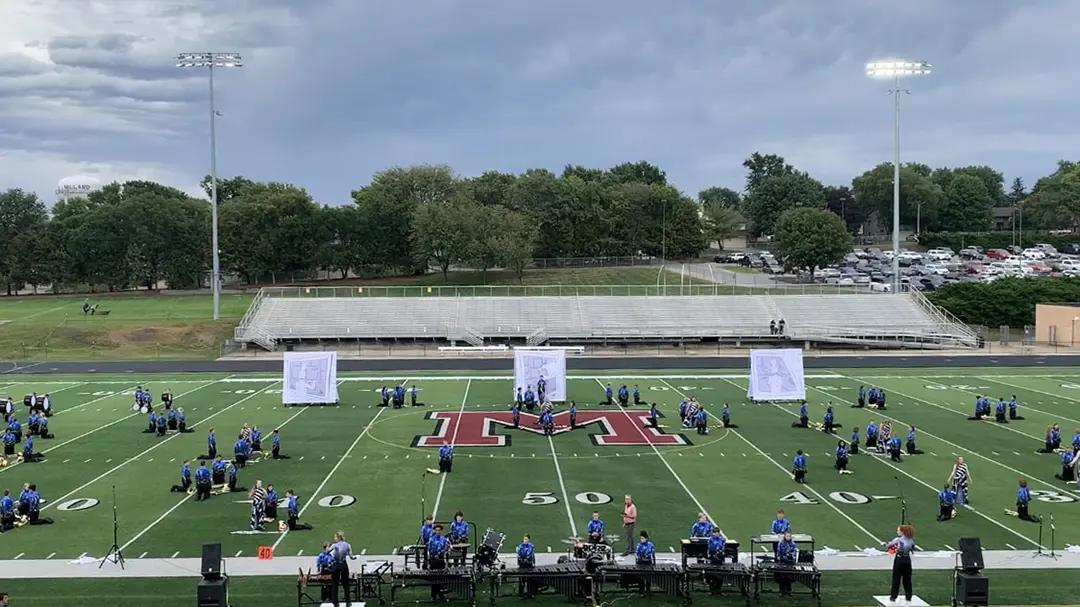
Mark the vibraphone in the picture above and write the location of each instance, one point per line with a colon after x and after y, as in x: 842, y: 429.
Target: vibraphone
x: 456, y: 582
x: 365, y: 584
x: 717, y: 577
x: 804, y: 574
x: 670, y: 578
x: 566, y: 579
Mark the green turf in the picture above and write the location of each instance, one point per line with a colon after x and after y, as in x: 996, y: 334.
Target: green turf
x: 739, y: 477
x: 1007, y: 587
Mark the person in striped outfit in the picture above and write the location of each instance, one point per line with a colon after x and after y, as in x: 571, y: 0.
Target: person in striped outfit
x: 258, y: 505
x: 960, y: 478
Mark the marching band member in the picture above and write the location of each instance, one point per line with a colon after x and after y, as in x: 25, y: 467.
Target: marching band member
x: 342, y: 551
x: 1023, y: 499
x: 862, y: 397
x: 271, y: 503
x: 624, y: 396
x: 399, y: 396
x: 446, y: 458
x: 530, y: 399
x: 28, y: 454
x: 871, y: 434
x: 946, y: 503
x: 547, y: 421
x: 804, y: 417
x: 637, y: 396
x: 515, y: 411
x: 167, y: 398
x: 202, y: 482
x: 827, y: 424
x: 881, y: 400
x: 16, y: 428
x: 427, y: 529
x: 185, y: 478
x: 181, y: 421
x: 1013, y: 407
x: 701, y: 421
x: 170, y: 415
x: 595, y: 529
x: 437, y: 549
x: 519, y: 399
x: 999, y: 412
x: 385, y: 397
x: 725, y: 417
x: 24, y: 500
x: 607, y: 395
x: 682, y: 409
x: 459, y: 529
x: 883, y: 436
x: 911, y: 450
x: 654, y: 417
x: 526, y: 553
x: 702, y: 528
x: 413, y: 397
x: 780, y: 525
x: 292, y: 507
x: 256, y: 439
x: 960, y: 477
x: 717, y: 546
x: 645, y: 555
x: 241, y: 449
x: 541, y: 389
x: 692, y: 408
x: 33, y: 509
x: 275, y: 445
x: 853, y: 446
x: 232, y: 478
x: 7, y: 407
x: 1068, y: 469
x: 151, y: 422
x: 211, y: 445
x: 787, y: 553
x: 842, y: 458
x: 218, y: 467
x: 162, y: 425
x: 46, y: 406
x: 7, y: 512
x: 43, y: 428
x: 894, y: 448
x: 573, y: 415
x: 9, y: 442
x: 799, y: 467
x: 546, y: 407
x: 257, y: 495
x: 323, y: 564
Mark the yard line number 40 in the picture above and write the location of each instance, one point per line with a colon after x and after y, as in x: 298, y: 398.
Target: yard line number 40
x: 850, y: 498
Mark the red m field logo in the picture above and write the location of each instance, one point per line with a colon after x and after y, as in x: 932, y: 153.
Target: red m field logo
x: 605, y: 428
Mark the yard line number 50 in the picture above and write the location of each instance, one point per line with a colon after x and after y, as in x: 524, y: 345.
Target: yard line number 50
x: 547, y: 498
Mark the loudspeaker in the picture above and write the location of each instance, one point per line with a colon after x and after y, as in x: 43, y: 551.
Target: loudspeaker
x: 214, y: 593
x: 972, y: 589
x: 971, y: 556
x: 211, y: 561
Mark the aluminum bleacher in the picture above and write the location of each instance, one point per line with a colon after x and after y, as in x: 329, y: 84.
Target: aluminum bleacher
x: 883, y: 320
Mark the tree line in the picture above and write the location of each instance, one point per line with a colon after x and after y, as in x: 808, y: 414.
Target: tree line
x: 408, y: 220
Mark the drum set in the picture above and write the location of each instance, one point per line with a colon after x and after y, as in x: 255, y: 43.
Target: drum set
x: 594, y: 549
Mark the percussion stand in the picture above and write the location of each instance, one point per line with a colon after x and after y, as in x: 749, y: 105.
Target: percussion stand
x: 114, y: 554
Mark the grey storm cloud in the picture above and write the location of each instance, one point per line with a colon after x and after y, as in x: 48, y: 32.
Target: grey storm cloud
x: 334, y: 90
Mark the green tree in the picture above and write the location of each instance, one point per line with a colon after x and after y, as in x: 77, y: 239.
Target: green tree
x: 993, y: 181
x: 271, y: 231
x: 442, y: 232
x: 1017, y: 193
x: 1054, y: 202
x: 638, y: 172
x: 808, y: 239
x: 388, y: 205
x: 721, y: 222
x: 516, y: 239
x: 761, y: 167
x: 23, y: 221
x: 228, y: 189
x: 841, y: 201
x: 968, y: 206
x: 725, y: 197
x: 775, y: 195
x: 919, y: 196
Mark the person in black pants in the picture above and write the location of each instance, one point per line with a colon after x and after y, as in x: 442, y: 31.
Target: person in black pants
x: 904, y: 545
x: 339, y: 572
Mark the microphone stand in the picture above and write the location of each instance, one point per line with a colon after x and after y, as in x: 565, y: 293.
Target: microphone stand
x: 114, y: 555
x: 903, y: 502
x: 1040, y: 552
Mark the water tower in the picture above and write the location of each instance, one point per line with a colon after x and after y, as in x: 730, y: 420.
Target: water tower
x: 75, y: 186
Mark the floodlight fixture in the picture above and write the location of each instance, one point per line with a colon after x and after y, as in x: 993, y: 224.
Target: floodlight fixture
x: 897, y: 69
x: 894, y: 69
x: 210, y: 61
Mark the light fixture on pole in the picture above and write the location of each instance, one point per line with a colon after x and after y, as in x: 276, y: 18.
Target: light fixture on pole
x: 896, y: 70
x: 210, y: 61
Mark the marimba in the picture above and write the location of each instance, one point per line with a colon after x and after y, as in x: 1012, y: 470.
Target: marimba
x: 457, y: 581
x: 563, y: 578
x: 668, y: 577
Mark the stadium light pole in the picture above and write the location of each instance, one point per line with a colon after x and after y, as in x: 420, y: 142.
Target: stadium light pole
x: 896, y: 70
x: 211, y: 61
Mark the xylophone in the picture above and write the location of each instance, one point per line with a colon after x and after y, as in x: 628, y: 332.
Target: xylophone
x: 717, y: 576
x: 457, y: 581
x: 564, y: 578
x: 668, y: 577
x: 804, y: 574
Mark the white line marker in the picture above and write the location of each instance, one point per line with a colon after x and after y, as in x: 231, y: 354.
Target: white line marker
x: 51, y: 554
x: 1010, y: 546
x: 143, y: 555
x: 238, y: 553
x: 950, y: 548
x: 175, y: 554
x: 362, y: 552
x: 453, y: 439
x: 20, y: 555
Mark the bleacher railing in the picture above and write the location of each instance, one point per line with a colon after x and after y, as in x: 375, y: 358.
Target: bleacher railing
x: 945, y: 317
x: 670, y: 290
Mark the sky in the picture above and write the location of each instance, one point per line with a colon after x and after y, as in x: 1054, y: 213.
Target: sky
x: 333, y: 91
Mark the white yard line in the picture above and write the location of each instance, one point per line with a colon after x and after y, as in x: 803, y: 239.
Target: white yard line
x: 1024, y: 407
x: 315, y: 496
x: 1019, y: 473
x: 920, y: 481
x: 663, y: 460
x: 820, y: 497
x: 453, y: 439
x: 190, y: 495
x: 562, y: 486
x: 35, y: 314
x: 96, y: 400
x: 166, y: 441
x: 945, y: 387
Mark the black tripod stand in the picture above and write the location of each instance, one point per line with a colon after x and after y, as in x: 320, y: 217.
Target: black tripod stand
x: 903, y: 502
x: 114, y: 555
x: 1040, y: 552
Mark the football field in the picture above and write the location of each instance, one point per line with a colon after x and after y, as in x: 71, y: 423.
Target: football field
x: 361, y: 468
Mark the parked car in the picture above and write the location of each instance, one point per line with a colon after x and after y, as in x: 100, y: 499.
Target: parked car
x: 998, y: 254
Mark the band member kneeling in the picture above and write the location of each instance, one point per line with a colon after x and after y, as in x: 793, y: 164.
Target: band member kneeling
x: 202, y: 483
